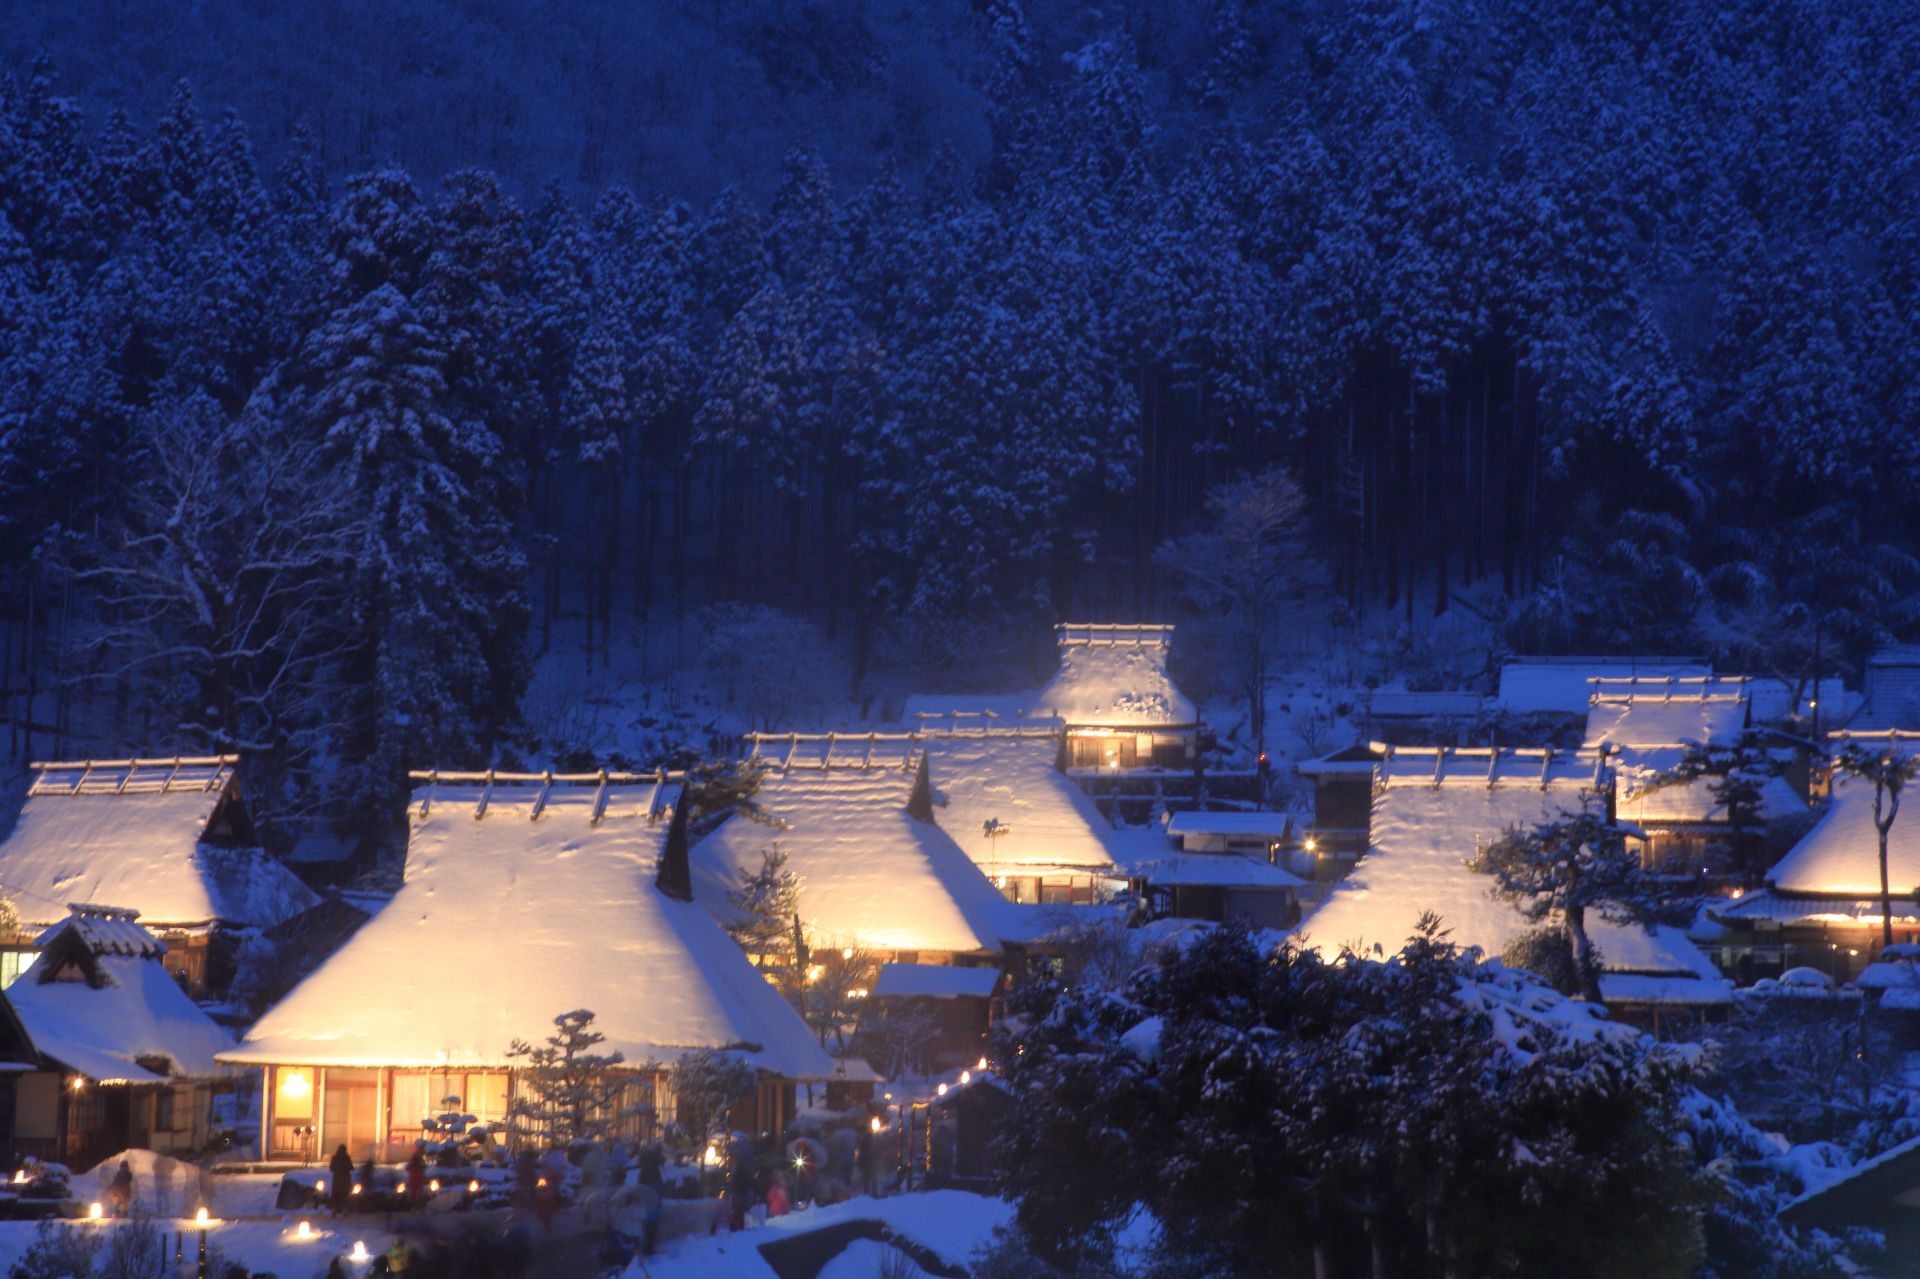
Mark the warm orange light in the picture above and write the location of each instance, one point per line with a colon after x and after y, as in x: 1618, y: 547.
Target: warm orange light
x: 943, y: 1090
x: 359, y: 1252
x: 981, y: 1064
x: 78, y: 1083
x: 966, y: 1076
x: 433, y: 1187
x: 356, y: 1188
x: 875, y: 1123
x: 202, y: 1217
x: 320, y: 1186
x: 541, y: 1184
x: 95, y: 1212
x: 303, y: 1231
x: 473, y: 1187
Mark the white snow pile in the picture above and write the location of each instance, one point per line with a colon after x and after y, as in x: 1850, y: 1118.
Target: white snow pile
x: 871, y: 875
x: 1432, y: 812
x: 951, y: 1224
x: 506, y: 921
x: 135, y: 834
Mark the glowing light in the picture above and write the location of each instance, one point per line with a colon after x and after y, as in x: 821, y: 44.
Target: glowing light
x: 800, y: 1162
x: 303, y: 1231
x: 296, y: 1084
x: 540, y: 1184
x: 359, y: 1252
x: 202, y: 1217
x: 858, y: 992
x: 95, y: 1212
x: 473, y: 1187
x: 356, y: 1188
x: 78, y: 1083
x: 846, y: 952
x: 433, y: 1187
x: 320, y: 1186
x: 966, y: 1076
x: 1313, y: 844
x: 711, y: 1155
x: 981, y: 1064
x: 875, y: 1124
x: 943, y: 1090
x: 20, y: 1177
x: 887, y: 1095
x: 815, y: 972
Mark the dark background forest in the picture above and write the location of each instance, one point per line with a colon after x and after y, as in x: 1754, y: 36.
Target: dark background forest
x: 347, y: 350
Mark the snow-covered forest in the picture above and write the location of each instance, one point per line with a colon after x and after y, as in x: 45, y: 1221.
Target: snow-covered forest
x: 931, y: 341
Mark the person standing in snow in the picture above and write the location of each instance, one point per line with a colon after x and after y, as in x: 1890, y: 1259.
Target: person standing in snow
x: 417, y: 1176
x: 340, y: 1170
x: 866, y: 1159
x: 120, y: 1191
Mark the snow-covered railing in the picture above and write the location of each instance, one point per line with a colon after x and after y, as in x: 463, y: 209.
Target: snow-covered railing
x: 1615, y: 690
x: 931, y: 721
x: 1891, y: 736
x: 1489, y: 766
x: 822, y: 750
x: 155, y: 776
x: 1116, y: 634
x: 490, y: 780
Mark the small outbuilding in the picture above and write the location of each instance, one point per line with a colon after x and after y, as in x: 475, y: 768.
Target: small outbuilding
x: 103, y: 1050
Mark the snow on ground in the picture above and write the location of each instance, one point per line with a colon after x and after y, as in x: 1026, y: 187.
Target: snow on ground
x: 950, y: 1223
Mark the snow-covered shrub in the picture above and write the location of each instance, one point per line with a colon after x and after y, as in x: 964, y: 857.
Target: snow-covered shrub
x: 1425, y: 1114
x: 708, y: 1086
x: 58, y: 1251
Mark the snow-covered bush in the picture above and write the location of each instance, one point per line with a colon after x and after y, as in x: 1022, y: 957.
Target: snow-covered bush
x: 1429, y: 1113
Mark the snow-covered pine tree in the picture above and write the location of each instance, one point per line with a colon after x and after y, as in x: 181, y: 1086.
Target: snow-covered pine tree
x: 1562, y: 868
x: 567, y: 1092
x: 766, y: 902
x: 1887, y: 768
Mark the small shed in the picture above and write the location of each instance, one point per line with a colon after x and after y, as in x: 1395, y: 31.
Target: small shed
x: 1217, y: 887
x: 1881, y: 1194
x: 107, y: 1051
x: 969, y: 1117
x: 958, y: 1003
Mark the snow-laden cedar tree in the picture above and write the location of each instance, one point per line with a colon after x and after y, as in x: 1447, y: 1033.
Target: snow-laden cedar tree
x: 1290, y: 1115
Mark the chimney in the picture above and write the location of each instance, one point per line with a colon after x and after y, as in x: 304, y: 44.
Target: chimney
x: 676, y: 872
x: 920, y: 803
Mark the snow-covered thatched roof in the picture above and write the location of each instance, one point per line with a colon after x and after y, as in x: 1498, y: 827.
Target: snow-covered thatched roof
x: 1646, y: 713
x: 872, y: 874
x: 1532, y: 685
x: 101, y: 1003
x: 169, y: 837
x: 1011, y: 776
x: 1115, y: 677
x: 525, y: 899
x: 1213, y: 870
x: 1840, y: 856
x: 1433, y: 809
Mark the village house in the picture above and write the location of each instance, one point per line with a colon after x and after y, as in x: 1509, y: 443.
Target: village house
x: 1647, y: 724
x: 526, y: 896
x: 103, y: 1051
x: 1216, y: 887
x: 1433, y: 809
x: 854, y: 816
x: 1545, y: 700
x: 1116, y: 702
x: 956, y: 1005
x: 999, y: 793
x: 169, y: 838
x: 1820, y: 904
